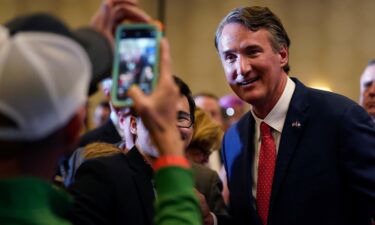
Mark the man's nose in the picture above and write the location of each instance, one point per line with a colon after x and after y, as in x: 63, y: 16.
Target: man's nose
x: 372, y: 89
x: 243, y: 66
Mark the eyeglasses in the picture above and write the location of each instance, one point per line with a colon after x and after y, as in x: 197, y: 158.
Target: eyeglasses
x: 184, y: 120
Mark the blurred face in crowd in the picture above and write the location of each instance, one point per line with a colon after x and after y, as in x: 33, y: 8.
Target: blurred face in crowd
x: 368, y: 90
x: 142, y: 137
x: 210, y: 106
x: 101, y: 114
x: 254, y: 70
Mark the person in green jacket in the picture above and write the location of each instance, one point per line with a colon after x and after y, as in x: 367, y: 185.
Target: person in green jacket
x: 42, y: 108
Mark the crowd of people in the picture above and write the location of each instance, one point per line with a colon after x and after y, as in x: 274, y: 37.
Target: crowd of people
x: 297, y: 156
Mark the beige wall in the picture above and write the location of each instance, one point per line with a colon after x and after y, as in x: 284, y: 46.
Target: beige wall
x: 332, y: 40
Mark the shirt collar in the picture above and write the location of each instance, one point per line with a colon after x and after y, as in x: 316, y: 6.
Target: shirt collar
x: 276, y: 117
x: 138, y: 162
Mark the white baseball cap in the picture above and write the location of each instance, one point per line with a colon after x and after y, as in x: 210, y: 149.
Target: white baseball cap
x: 44, y: 79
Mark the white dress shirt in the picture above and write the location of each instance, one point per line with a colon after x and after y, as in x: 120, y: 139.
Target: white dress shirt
x: 275, y: 119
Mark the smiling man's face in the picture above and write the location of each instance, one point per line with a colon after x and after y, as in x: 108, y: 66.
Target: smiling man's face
x: 143, y: 140
x: 254, y: 70
x: 368, y: 90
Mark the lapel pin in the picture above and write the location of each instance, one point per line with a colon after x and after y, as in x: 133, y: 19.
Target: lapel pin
x: 296, y: 124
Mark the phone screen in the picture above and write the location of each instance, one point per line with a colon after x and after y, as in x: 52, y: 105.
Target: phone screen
x: 137, y: 59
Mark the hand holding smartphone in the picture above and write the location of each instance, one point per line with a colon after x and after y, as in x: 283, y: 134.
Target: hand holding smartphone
x: 136, y: 61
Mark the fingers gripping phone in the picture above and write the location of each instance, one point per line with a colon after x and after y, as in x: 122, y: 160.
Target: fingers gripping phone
x: 136, y: 61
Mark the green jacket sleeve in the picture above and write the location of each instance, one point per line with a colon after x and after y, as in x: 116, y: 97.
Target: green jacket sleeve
x: 176, y: 203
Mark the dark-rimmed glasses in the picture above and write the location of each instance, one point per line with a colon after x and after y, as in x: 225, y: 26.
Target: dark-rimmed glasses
x: 184, y: 120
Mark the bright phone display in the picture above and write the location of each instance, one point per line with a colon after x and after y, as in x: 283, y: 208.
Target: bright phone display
x: 136, y: 61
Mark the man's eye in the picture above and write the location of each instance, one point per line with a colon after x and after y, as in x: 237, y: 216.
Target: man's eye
x: 252, y: 52
x: 230, y: 58
x: 368, y: 84
x: 182, y: 119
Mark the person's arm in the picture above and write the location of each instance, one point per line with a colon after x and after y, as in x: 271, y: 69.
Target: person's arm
x: 113, y: 12
x: 176, y: 203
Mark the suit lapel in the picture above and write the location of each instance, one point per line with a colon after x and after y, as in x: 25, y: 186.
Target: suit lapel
x: 242, y: 177
x: 295, y: 123
x: 143, y: 180
x: 248, y: 150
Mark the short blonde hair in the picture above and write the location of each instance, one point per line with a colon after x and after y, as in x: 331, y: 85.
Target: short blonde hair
x: 98, y: 149
x: 207, y: 134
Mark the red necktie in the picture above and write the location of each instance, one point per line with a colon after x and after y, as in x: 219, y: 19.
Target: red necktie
x: 266, y: 168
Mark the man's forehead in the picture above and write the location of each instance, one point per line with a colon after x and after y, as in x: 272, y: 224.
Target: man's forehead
x: 233, y: 36
x: 368, y: 74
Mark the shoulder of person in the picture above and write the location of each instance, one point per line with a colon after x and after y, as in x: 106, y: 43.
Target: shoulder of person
x: 106, y: 163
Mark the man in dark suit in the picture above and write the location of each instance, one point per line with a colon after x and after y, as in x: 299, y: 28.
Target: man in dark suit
x: 119, y: 189
x: 300, y: 156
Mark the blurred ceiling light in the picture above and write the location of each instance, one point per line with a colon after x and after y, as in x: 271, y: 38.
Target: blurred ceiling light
x: 229, y: 111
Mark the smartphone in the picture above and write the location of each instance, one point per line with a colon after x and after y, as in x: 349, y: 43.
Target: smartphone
x: 136, y: 61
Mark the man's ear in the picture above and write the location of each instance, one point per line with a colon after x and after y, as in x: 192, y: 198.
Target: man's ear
x: 133, y: 125
x: 284, y: 55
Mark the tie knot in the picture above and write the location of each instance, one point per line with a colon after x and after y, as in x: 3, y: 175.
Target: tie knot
x: 265, y: 129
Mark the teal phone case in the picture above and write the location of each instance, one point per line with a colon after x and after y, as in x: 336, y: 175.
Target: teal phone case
x: 128, y: 102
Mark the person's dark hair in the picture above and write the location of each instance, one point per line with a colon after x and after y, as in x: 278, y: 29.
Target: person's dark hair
x: 185, y: 90
x: 104, y: 104
x: 371, y: 62
x: 256, y: 18
x: 206, y: 94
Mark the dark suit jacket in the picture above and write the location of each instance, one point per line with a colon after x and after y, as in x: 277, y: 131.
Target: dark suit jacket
x: 105, y: 188
x: 208, y: 183
x: 106, y: 133
x: 325, y: 169
x: 113, y: 190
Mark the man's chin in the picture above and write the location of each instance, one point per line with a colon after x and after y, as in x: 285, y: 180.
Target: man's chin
x: 251, y: 97
x: 371, y: 112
